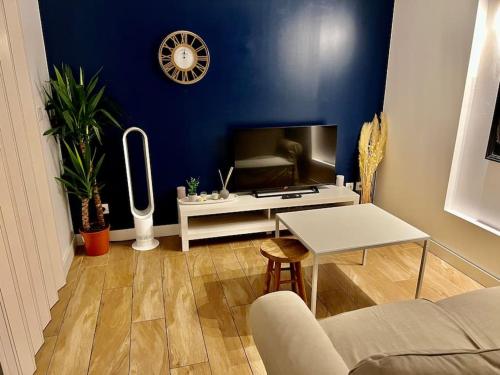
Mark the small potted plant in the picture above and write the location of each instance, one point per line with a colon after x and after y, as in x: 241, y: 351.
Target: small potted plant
x: 192, y: 184
x: 78, y: 112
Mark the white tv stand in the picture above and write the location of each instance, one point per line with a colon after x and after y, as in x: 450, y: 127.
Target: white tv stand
x: 248, y: 214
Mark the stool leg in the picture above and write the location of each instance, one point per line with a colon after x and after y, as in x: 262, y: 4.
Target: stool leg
x: 277, y: 275
x: 293, y: 277
x: 267, y: 282
x: 300, y: 280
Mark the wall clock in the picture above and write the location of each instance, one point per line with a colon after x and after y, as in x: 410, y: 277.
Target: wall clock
x: 184, y: 57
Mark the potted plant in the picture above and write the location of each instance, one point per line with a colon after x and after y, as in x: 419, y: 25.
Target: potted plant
x: 78, y: 111
x: 192, y: 184
x: 79, y: 178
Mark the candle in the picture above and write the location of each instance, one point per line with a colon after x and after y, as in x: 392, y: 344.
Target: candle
x: 340, y: 180
x: 181, y: 192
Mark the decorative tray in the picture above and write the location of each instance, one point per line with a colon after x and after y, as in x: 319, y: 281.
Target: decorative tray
x: 231, y: 198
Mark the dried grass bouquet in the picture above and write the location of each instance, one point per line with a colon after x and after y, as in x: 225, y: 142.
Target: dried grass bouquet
x: 372, y: 142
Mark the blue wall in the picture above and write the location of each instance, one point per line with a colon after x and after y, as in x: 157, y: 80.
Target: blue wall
x: 273, y: 62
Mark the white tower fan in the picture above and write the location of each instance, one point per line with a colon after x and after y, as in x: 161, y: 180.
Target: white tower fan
x: 143, y: 219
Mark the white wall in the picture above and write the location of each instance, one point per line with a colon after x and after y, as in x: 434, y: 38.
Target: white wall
x: 473, y: 190
x: 428, y: 60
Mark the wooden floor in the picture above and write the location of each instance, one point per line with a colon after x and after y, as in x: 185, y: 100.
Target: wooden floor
x: 163, y: 311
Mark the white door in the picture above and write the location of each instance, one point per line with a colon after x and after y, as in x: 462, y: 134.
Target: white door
x: 28, y: 265
x: 19, y: 328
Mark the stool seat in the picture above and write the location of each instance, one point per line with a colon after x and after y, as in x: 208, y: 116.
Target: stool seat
x: 284, y: 250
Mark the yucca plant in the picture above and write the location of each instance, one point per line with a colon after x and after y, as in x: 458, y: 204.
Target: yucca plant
x: 80, y: 177
x: 78, y: 112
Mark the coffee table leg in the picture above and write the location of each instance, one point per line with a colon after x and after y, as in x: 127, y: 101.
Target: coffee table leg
x: 365, y: 254
x: 422, y: 271
x: 314, y: 286
x: 277, y: 230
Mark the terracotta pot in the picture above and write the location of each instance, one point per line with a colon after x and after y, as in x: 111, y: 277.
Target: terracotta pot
x: 96, y: 243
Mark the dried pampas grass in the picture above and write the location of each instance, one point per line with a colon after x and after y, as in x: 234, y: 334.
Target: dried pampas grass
x: 372, y: 142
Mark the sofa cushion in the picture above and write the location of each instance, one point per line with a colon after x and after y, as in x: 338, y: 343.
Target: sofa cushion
x: 478, y: 313
x: 409, y: 326
x: 484, y: 362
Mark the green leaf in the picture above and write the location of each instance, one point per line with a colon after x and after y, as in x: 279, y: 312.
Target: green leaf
x: 93, y: 82
x: 59, y: 77
x: 81, y: 76
x: 74, y: 175
x: 95, y: 100
x: 97, y: 133
x: 99, y: 164
x: 70, y: 121
x: 110, y: 118
x: 62, y: 94
x: 75, y: 159
x: 50, y: 131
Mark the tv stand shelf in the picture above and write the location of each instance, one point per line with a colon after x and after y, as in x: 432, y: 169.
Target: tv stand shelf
x: 248, y: 214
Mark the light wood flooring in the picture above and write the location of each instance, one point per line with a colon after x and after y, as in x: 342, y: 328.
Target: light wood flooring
x: 163, y: 311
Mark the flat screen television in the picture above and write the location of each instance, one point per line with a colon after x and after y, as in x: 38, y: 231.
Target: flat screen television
x: 284, y: 158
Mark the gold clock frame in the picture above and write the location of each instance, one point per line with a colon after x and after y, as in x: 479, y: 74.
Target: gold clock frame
x: 201, y: 62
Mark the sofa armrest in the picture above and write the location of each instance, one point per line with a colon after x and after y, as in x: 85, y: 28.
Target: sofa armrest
x: 290, y: 339
x: 290, y: 149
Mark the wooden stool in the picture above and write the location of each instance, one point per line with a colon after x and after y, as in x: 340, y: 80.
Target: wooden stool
x: 284, y: 250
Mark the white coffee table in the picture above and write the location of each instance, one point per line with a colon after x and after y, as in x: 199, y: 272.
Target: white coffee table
x: 349, y: 228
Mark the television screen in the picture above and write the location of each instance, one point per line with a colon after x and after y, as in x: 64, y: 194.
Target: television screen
x: 284, y: 157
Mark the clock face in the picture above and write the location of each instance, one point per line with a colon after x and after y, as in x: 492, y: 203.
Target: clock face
x: 184, y: 57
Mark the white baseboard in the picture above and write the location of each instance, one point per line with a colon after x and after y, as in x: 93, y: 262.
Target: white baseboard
x: 475, y: 272
x: 129, y: 234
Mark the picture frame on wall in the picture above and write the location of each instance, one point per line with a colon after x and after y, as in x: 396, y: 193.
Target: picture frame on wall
x: 493, y: 149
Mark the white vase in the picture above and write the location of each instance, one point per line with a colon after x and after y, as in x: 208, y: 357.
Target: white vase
x: 192, y: 197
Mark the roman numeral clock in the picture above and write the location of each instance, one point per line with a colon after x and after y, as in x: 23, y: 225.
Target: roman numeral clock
x: 184, y: 57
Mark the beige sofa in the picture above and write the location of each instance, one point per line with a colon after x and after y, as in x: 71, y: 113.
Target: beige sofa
x: 457, y: 335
